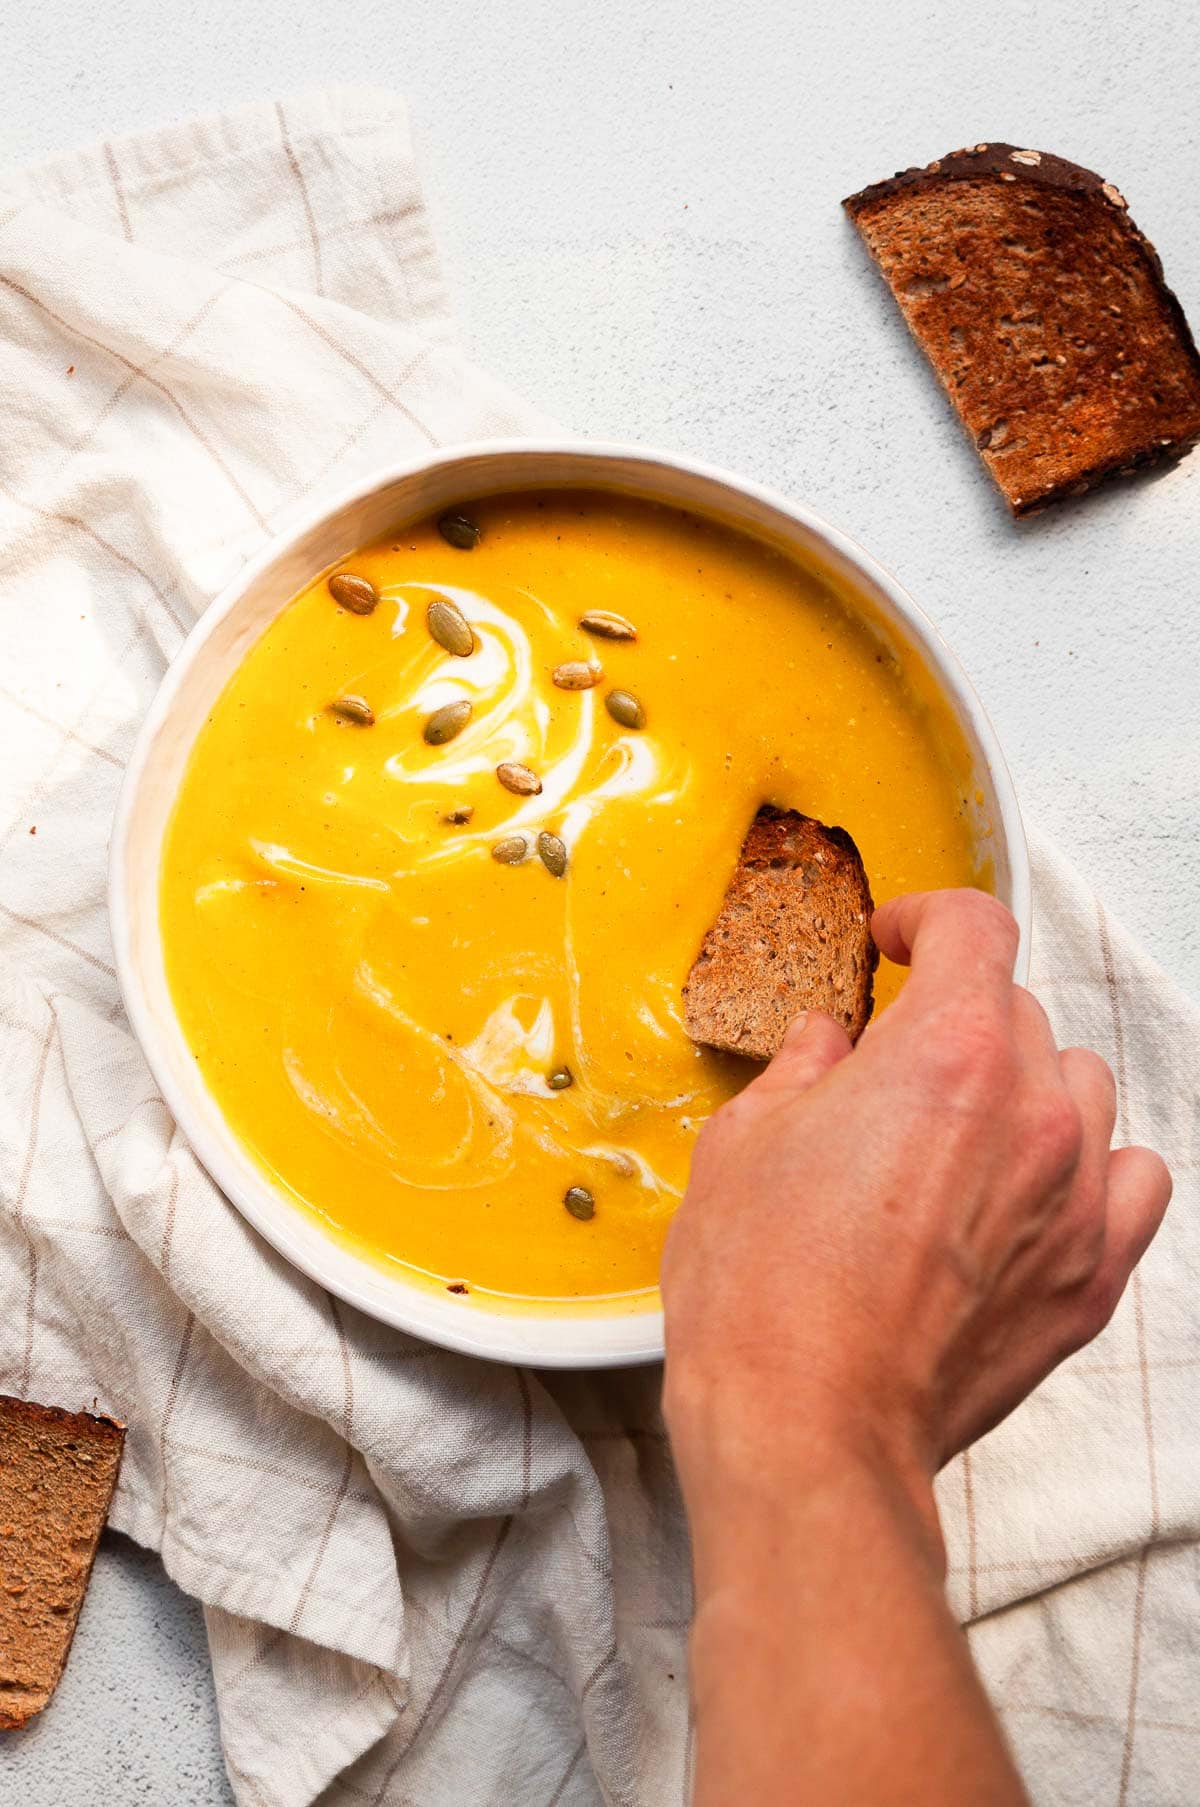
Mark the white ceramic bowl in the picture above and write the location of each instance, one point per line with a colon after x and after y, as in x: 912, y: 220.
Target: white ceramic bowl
x: 213, y: 650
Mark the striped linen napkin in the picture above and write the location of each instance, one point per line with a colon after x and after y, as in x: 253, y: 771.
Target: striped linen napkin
x: 430, y: 1580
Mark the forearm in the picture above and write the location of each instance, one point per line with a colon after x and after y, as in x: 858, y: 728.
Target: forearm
x: 826, y: 1665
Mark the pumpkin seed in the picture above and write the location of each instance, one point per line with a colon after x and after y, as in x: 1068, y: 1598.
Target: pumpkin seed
x: 552, y: 853
x: 511, y: 851
x: 607, y: 625
x: 579, y: 1203
x: 354, y: 709
x: 560, y: 1079
x: 624, y: 707
x: 450, y: 628
x: 518, y: 779
x: 447, y: 721
x: 462, y: 814
x: 576, y: 674
x: 458, y: 531
x: 358, y: 594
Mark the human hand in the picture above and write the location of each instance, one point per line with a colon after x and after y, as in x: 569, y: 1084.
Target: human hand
x: 893, y: 1244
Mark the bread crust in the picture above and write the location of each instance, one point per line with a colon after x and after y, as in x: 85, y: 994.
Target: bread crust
x: 1091, y: 428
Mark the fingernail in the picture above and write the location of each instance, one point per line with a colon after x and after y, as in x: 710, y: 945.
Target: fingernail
x: 798, y: 1024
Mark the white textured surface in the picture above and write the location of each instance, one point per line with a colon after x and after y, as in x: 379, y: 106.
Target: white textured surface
x: 639, y: 208
x: 133, y: 1723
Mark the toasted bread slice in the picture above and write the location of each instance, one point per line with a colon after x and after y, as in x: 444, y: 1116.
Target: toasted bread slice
x: 793, y: 934
x: 1044, y: 312
x: 57, y: 1474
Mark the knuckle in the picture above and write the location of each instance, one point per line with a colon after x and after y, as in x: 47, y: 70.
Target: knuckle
x: 1100, y: 1301
x: 1080, y: 1244
x: 987, y: 915
x: 1056, y: 1132
x: 1091, y: 1070
x: 968, y: 1052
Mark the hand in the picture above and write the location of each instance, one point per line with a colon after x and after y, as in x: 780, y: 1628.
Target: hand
x: 895, y: 1243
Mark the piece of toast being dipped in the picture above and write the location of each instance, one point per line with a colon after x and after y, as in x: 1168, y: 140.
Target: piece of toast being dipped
x: 57, y: 1474
x: 1044, y: 313
x: 793, y: 934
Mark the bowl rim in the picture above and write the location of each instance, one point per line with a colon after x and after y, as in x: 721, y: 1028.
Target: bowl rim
x: 594, y: 1340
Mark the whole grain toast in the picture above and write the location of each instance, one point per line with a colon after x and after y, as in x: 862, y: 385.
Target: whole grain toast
x: 793, y: 934
x: 1044, y: 313
x: 57, y: 1474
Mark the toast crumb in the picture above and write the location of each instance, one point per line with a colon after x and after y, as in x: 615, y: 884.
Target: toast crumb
x: 793, y: 934
x: 1044, y: 313
x: 57, y: 1474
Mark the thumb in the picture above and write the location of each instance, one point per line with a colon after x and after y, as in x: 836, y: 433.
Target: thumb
x: 814, y: 1042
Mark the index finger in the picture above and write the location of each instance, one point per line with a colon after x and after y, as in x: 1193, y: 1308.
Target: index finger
x: 953, y: 940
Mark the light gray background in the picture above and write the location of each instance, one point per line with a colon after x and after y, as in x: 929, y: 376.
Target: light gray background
x: 638, y: 204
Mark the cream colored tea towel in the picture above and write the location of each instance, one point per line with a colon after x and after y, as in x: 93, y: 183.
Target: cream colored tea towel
x: 428, y: 1580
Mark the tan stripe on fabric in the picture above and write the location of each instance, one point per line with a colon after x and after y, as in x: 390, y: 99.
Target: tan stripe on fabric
x: 137, y: 372
x: 72, y: 947
x: 254, y: 1786
x: 1096, y: 1719
x: 572, y: 1766
x: 60, y: 519
x: 526, y: 1436
x: 347, y: 1466
x: 185, y: 1343
x: 364, y: 370
x: 689, y: 1746
x: 1162, y: 1365
x: 460, y: 1639
x: 35, y: 1114
x: 972, y: 1535
x: 193, y: 427
x: 119, y: 1129
x: 390, y: 216
x: 472, y: 1614
x: 492, y: 1636
x: 114, y: 176
x: 278, y: 1470
x: 1135, y: 1664
x: 306, y: 204
x: 41, y: 788
x: 168, y: 1235
x: 1122, y: 1078
x: 606, y: 1662
x: 113, y: 1231
x: 67, y: 733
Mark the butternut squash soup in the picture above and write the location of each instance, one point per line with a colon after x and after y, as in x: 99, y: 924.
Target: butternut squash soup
x: 450, y: 839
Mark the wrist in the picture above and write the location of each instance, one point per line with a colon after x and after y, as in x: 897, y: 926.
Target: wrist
x: 754, y: 1469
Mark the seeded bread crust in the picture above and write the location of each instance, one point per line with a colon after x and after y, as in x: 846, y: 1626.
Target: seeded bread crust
x: 58, y: 1470
x: 793, y: 934
x: 1044, y: 313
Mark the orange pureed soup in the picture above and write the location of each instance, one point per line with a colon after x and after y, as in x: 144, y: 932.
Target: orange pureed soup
x: 383, y: 1009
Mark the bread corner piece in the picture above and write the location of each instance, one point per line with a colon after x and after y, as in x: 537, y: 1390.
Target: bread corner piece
x: 57, y: 1474
x: 793, y: 934
x: 1044, y: 312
